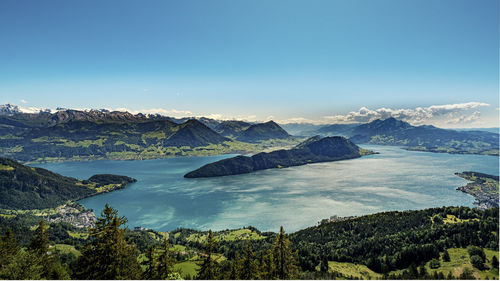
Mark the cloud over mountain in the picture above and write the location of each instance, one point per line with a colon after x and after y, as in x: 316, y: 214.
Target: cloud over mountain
x: 449, y: 113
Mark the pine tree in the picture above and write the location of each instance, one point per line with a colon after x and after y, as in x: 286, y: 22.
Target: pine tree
x: 209, y: 268
x: 150, y: 264
x: 14, y: 263
x: 166, y: 261
x: 284, y: 260
x: 39, y: 248
x: 40, y: 243
x: 8, y: 247
x: 267, y: 267
x: 235, y: 268
x: 107, y: 255
x: 446, y: 256
x: 494, y: 262
x: 324, y: 264
x: 249, y: 270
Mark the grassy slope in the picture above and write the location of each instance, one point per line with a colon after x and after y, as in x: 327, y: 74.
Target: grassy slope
x: 459, y: 259
x: 351, y: 269
x: 187, y: 268
x: 231, y: 235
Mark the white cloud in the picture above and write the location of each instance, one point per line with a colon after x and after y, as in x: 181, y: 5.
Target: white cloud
x: 435, y: 114
x: 161, y: 111
x: 23, y: 101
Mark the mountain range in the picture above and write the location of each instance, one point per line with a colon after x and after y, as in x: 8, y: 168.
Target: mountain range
x: 95, y: 134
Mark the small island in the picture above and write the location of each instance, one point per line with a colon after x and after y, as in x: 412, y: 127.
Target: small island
x: 483, y: 187
x: 313, y: 150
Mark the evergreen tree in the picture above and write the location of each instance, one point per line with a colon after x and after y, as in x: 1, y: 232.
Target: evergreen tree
x: 446, y: 256
x: 267, y: 266
x: 107, y: 255
x: 249, y: 270
x: 477, y: 262
x: 150, y: 264
x: 39, y: 249
x: 8, y: 247
x: 209, y: 268
x: 16, y: 264
x: 40, y: 243
x: 235, y: 267
x: 284, y: 259
x: 494, y: 262
x: 324, y: 264
x: 166, y: 261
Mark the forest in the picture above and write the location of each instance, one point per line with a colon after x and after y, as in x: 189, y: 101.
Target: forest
x: 391, y: 245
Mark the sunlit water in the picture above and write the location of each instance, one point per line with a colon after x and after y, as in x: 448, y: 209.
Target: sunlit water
x: 295, y: 197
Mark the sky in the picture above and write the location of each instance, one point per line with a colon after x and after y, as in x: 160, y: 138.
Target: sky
x: 332, y: 61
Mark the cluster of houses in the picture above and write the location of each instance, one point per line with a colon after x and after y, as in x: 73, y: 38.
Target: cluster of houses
x: 73, y: 216
x: 334, y: 218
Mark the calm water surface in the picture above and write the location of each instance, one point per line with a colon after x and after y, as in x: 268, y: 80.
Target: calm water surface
x: 295, y: 197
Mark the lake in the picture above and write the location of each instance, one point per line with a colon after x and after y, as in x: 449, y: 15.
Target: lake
x: 295, y: 197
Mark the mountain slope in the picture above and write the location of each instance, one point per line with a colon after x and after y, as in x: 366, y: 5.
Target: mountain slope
x: 311, y: 151
x: 91, y: 139
x: 231, y: 129
x: 193, y: 133
x: 263, y: 131
x: 23, y: 187
x: 427, y: 138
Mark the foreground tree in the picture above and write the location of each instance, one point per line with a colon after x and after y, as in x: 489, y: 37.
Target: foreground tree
x: 40, y: 249
x: 235, y: 267
x: 108, y: 256
x: 150, y: 264
x: 209, y: 268
x: 267, y: 266
x: 15, y: 263
x: 166, y: 261
x: 249, y: 270
x: 494, y: 262
x: 446, y: 256
x: 284, y: 259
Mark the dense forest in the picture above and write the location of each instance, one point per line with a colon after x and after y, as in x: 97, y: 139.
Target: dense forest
x: 395, y: 245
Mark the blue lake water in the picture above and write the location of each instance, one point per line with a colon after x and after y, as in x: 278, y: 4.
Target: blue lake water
x: 295, y: 197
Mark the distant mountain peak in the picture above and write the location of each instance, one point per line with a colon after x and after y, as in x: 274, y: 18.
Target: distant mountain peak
x: 263, y: 131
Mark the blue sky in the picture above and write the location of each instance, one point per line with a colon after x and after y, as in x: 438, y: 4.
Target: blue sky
x: 286, y: 60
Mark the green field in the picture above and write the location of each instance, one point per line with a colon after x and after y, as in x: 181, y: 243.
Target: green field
x: 67, y: 249
x: 352, y: 270
x: 459, y: 260
x: 230, y: 235
x: 187, y: 268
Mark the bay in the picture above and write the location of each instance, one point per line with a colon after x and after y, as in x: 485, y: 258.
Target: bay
x: 296, y: 197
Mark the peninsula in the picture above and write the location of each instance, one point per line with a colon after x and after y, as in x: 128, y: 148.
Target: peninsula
x: 483, y: 187
x: 313, y: 150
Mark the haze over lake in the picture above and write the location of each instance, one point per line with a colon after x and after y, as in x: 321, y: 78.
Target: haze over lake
x: 295, y: 197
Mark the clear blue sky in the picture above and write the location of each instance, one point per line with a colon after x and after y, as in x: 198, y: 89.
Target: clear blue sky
x: 285, y: 59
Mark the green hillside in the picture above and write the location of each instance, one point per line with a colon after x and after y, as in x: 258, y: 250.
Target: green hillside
x: 24, y: 187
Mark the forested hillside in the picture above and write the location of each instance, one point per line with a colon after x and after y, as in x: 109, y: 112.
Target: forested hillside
x: 24, y: 187
x: 438, y: 243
